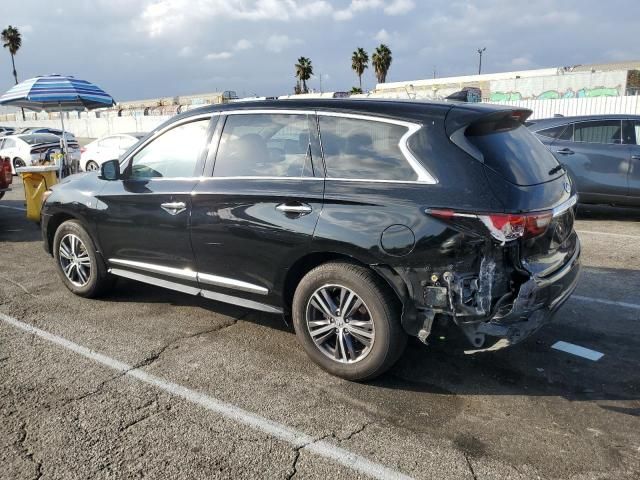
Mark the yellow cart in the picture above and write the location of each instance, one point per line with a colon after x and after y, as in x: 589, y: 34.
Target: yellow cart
x: 36, y: 181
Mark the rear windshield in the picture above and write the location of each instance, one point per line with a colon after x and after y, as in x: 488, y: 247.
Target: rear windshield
x: 40, y: 138
x: 512, y: 151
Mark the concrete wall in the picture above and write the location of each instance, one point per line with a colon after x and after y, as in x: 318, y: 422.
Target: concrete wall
x: 579, y: 106
x: 98, y: 127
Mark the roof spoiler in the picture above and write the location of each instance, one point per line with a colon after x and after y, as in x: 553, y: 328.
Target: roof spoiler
x: 483, y: 121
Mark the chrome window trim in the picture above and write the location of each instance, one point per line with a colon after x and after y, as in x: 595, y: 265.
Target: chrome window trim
x: 202, y: 116
x: 187, y: 274
x: 424, y: 177
x: 255, y: 177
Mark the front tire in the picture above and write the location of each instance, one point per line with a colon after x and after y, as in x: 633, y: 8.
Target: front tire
x: 80, y: 267
x: 348, y: 321
x: 18, y: 163
x: 91, y: 166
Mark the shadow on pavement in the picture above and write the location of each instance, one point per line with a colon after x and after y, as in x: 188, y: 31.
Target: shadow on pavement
x: 606, y: 212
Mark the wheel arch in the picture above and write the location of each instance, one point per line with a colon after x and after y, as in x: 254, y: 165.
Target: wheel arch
x: 305, y: 264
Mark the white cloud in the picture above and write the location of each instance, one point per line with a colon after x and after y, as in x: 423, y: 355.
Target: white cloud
x: 277, y: 43
x: 218, y: 56
x: 356, y: 6
x: 25, y: 28
x: 521, y: 61
x: 383, y: 36
x: 399, y: 7
x: 185, y: 52
x: 243, y: 44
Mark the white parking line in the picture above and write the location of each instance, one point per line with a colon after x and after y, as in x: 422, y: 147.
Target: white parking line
x: 236, y: 414
x: 622, y: 235
x: 606, y: 302
x: 14, y: 208
x: 578, y: 350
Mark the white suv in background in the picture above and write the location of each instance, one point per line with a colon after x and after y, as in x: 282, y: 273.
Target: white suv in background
x: 106, y: 148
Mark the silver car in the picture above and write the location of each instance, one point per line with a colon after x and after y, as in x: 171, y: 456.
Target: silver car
x: 600, y: 152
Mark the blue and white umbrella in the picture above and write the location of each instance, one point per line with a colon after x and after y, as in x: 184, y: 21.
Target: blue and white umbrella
x: 55, y: 93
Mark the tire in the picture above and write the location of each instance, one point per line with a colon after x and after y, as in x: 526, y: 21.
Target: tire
x: 18, y: 163
x: 91, y: 166
x: 378, y: 316
x: 2, y: 195
x: 88, y: 277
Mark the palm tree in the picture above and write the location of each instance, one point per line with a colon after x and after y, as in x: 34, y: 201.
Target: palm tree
x: 381, y: 61
x: 12, y: 40
x: 359, y: 63
x: 304, y: 70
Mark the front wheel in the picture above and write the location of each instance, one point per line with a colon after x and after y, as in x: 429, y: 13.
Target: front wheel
x: 18, y: 163
x: 348, y: 321
x: 79, y: 265
x: 91, y: 166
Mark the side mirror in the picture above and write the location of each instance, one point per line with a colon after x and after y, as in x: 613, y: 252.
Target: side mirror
x: 110, y: 170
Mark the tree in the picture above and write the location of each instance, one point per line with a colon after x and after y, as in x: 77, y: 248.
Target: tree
x: 381, y: 61
x: 12, y: 40
x: 355, y: 90
x: 359, y: 63
x: 304, y: 70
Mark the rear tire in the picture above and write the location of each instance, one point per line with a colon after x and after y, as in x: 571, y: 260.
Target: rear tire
x: 91, y: 166
x: 79, y: 266
x: 18, y: 163
x: 368, y: 330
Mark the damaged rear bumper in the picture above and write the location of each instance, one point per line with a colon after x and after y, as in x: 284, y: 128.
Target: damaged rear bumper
x: 536, y: 302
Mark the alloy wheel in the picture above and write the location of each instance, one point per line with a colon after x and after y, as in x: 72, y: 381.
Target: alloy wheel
x: 92, y: 167
x: 74, y: 260
x: 340, y: 324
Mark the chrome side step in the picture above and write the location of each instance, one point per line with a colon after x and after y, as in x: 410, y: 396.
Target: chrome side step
x: 221, y: 297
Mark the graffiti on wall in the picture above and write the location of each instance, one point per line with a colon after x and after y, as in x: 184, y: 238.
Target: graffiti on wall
x: 600, y: 91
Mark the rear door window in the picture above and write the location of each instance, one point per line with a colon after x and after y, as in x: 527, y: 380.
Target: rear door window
x: 511, y: 150
x: 600, y: 131
x: 553, y: 132
x: 631, y: 132
x: 364, y: 149
x: 265, y: 145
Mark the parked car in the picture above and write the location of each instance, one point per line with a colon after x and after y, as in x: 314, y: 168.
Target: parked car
x: 601, y: 153
x: 106, y: 148
x: 33, y: 148
x: 6, y: 130
x: 367, y: 221
x: 70, y: 137
x: 6, y: 178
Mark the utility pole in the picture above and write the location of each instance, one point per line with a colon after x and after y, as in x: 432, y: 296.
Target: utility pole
x: 434, y: 71
x: 320, y: 83
x: 480, y: 52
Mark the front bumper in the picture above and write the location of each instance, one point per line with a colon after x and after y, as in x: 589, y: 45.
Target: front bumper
x: 537, y: 300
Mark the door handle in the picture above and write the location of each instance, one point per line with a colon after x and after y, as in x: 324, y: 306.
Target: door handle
x: 565, y: 151
x: 635, y: 157
x: 174, y: 208
x: 299, y: 208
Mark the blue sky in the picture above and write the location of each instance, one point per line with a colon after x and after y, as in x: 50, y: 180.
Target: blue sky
x: 149, y: 48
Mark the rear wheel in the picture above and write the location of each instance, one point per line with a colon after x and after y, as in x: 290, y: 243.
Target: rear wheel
x: 18, y: 163
x: 91, y: 166
x: 348, y: 321
x: 79, y: 265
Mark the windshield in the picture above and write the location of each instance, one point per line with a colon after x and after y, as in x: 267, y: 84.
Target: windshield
x: 40, y: 138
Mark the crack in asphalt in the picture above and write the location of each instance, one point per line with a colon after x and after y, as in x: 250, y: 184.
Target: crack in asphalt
x: 145, y: 362
x: 473, y: 474
x: 20, y: 443
x: 18, y: 284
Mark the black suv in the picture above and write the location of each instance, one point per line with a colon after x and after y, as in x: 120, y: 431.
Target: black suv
x: 365, y: 220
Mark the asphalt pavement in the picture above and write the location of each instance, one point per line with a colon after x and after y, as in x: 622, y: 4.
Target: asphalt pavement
x: 149, y: 383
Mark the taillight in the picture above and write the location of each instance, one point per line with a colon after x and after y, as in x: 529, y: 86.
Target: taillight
x: 6, y: 170
x: 503, y: 227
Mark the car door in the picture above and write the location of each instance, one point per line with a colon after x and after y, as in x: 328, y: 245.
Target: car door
x: 256, y: 211
x: 143, y: 219
x: 596, y: 158
x: 631, y: 133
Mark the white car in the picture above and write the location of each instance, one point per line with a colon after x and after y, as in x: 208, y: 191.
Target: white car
x: 106, y: 148
x: 34, y: 149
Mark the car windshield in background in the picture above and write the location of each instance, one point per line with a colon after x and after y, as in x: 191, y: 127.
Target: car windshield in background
x: 40, y: 138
